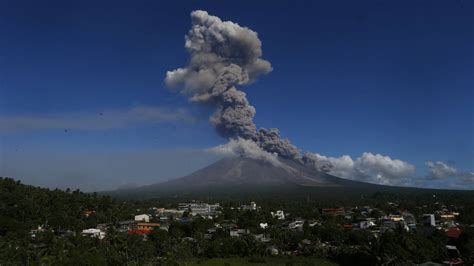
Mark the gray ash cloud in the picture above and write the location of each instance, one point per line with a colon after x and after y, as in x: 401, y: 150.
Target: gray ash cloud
x: 224, y: 55
x: 271, y: 141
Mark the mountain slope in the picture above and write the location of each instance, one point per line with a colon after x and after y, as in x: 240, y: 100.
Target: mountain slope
x: 239, y: 174
x: 244, y: 171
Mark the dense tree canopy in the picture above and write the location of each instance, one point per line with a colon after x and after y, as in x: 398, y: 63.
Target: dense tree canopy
x: 23, y: 208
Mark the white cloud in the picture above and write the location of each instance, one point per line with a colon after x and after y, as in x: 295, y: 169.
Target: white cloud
x: 373, y: 168
x: 101, y: 120
x: 468, y: 178
x: 440, y: 170
x: 246, y: 148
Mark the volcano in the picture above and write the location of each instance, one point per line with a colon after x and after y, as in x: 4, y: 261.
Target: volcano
x: 241, y: 174
x: 242, y: 171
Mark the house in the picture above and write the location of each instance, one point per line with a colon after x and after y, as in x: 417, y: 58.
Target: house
x: 390, y: 225
x: 453, y: 233
x: 35, y: 232
x: 264, y: 225
x: 429, y: 263
x: 365, y: 210
x: 280, y: 215
x: 188, y: 239
x: 429, y: 220
x: 262, y: 238
x: 164, y: 219
x: 93, y: 232
x: 409, y: 220
x: 347, y: 226
x: 395, y: 217
x: 157, y: 211
x: 238, y: 232
x: 228, y: 226
x: 103, y: 226
x: 312, y: 223
x: 449, y: 216
x: 88, y: 213
x: 124, y: 226
x: 142, y: 218
x: 164, y: 227
x: 199, y: 208
x: 366, y: 224
x: 139, y: 232
x: 147, y: 226
x: 296, y: 225
x: 174, y: 213
x: 454, y: 256
x: 333, y: 211
x: 251, y: 207
x: 65, y: 233
x: 143, y: 228
x: 272, y: 251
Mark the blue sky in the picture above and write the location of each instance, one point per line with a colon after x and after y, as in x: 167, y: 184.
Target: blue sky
x: 388, y: 77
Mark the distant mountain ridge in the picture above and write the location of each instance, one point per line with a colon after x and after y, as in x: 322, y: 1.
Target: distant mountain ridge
x: 245, y: 171
x: 243, y: 174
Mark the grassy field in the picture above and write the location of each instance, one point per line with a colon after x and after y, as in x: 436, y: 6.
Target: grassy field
x: 296, y: 261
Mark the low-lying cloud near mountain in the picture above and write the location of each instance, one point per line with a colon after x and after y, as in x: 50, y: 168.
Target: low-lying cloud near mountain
x: 439, y: 170
x: 224, y: 55
x: 373, y: 168
x: 101, y: 120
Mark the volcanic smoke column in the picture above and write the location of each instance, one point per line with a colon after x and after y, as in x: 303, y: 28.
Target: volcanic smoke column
x: 224, y: 55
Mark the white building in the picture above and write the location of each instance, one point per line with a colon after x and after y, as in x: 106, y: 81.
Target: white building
x: 280, y: 215
x: 94, y: 232
x: 366, y: 224
x: 238, y: 232
x: 298, y: 224
x: 429, y: 220
x: 142, y: 218
x: 264, y: 225
x: 198, y: 208
x: 313, y: 223
x: 251, y: 207
x: 34, y: 232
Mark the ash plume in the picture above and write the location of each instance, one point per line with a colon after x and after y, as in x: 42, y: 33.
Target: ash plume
x: 271, y: 141
x: 317, y: 162
x: 224, y: 55
x: 246, y: 148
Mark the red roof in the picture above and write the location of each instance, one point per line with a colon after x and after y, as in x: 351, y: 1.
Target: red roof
x: 139, y: 232
x: 332, y: 210
x: 456, y: 261
x: 453, y: 232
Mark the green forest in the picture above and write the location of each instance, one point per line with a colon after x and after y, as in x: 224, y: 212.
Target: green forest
x: 64, y: 214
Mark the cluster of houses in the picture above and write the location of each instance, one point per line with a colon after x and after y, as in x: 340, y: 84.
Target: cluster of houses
x: 157, y: 218
x: 356, y: 218
x: 442, y: 219
x: 144, y: 224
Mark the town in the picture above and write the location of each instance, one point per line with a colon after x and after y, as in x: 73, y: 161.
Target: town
x: 251, y: 220
x: 64, y: 227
